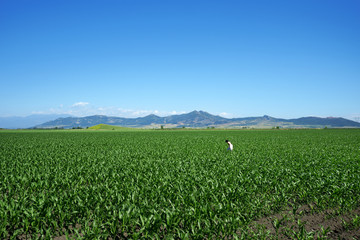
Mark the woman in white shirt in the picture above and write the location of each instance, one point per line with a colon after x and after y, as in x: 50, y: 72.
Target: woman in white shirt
x: 230, y: 145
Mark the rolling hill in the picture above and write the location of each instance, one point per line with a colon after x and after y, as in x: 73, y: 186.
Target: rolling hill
x: 199, y: 119
x: 109, y: 127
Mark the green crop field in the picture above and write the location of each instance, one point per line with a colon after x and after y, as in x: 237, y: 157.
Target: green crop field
x: 88, y: 184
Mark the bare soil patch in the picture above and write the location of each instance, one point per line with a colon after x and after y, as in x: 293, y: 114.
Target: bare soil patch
x: 307, y: 222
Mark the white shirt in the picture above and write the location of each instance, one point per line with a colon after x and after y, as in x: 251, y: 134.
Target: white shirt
x: 230, y: 146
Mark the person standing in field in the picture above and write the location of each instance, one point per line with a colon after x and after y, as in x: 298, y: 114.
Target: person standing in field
x: 230, y: 145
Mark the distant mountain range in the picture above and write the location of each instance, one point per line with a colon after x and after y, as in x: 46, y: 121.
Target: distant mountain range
x: 199, y: 119
x: 28, y: 121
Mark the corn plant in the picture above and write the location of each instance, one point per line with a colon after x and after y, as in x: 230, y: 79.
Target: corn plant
x: 170, y: 184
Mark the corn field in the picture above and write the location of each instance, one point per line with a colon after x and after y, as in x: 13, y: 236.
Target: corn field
x: 183, y: 184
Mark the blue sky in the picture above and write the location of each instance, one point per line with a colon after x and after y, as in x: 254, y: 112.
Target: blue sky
x: 131, y: 58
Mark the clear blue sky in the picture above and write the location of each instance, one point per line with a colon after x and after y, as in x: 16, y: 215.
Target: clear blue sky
x: 134, y: 57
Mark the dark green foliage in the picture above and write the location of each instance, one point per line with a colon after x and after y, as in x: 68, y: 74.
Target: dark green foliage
x: 156, y: 184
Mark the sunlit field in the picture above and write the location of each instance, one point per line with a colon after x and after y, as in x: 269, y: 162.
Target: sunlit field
x: 183, y: 184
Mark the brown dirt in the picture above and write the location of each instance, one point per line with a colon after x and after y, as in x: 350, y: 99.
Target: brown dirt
x: 337, y: 225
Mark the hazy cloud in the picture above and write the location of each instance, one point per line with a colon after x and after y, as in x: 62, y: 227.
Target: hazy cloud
x: 82, y: 109
x: 226, y: 115
x: 355, y: 117
x: 80, y: 104
x: 176, y: 112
